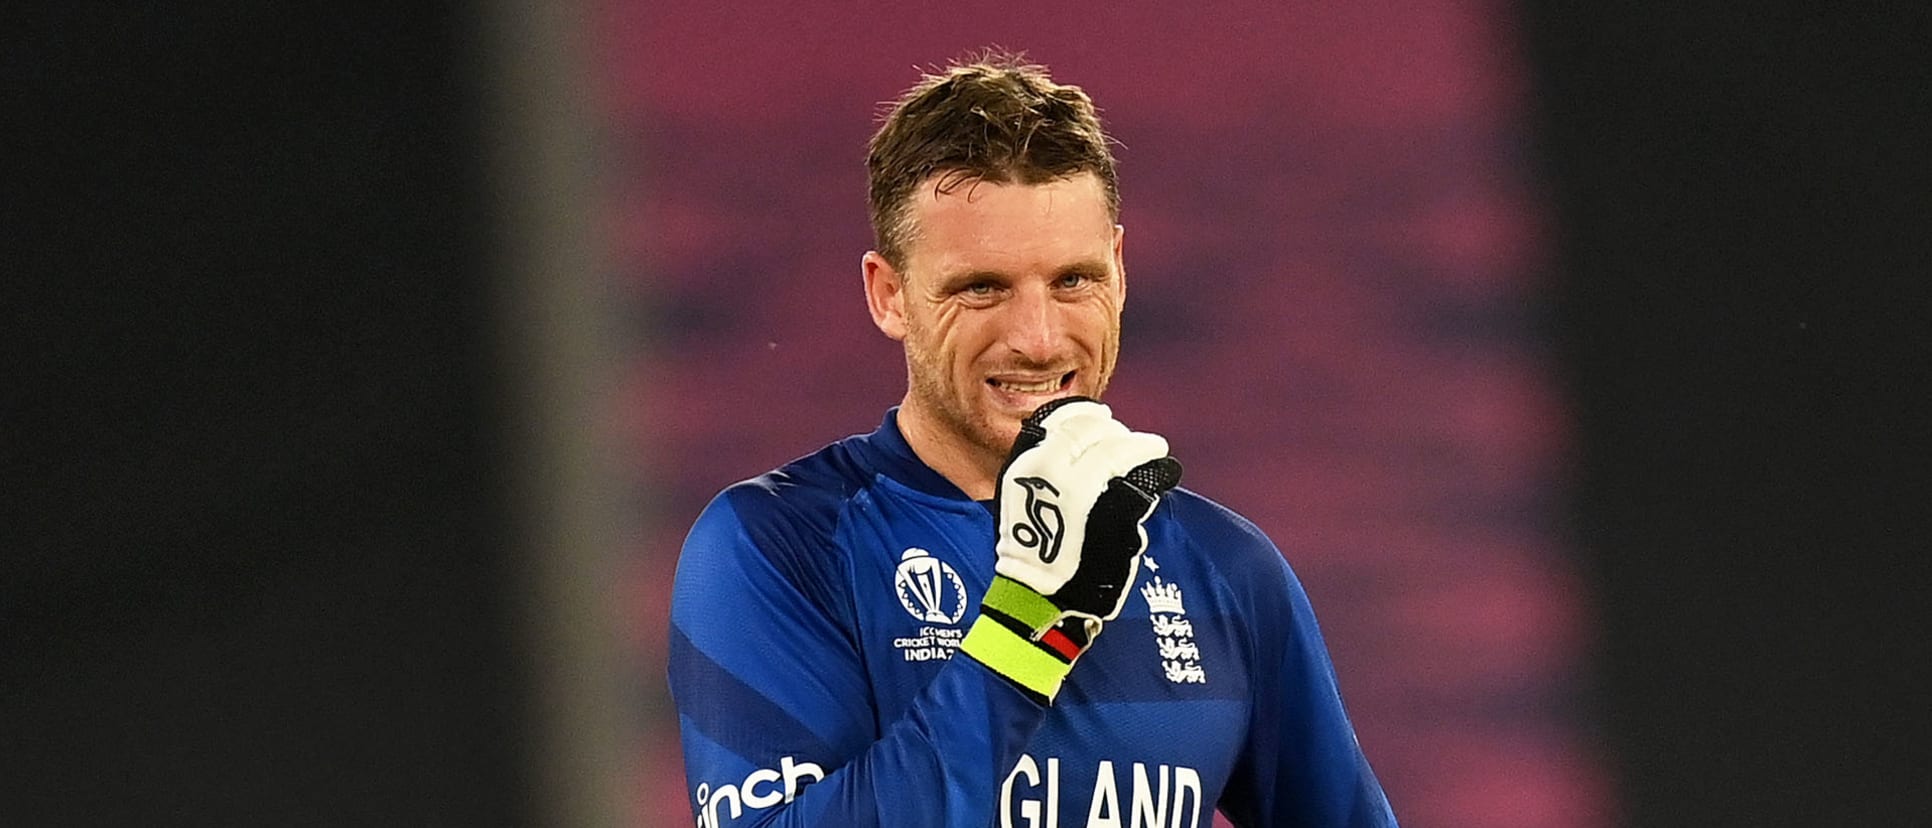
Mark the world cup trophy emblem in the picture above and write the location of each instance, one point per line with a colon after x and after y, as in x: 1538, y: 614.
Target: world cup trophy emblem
x: 928, y: 588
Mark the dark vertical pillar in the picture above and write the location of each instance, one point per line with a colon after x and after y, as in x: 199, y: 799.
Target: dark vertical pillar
x: 1743, y: 201
x: 254, y: 566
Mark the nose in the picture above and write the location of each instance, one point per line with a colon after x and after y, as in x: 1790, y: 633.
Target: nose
x: 1034, y: 327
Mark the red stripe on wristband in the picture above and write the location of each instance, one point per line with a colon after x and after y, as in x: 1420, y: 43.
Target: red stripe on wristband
x: 1061, y: 644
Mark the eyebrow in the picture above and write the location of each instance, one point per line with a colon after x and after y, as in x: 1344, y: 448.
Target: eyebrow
x: 1088, y: 267
x: 974, y: 276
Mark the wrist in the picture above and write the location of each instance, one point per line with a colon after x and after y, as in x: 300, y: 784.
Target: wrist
x: 1026, y: 639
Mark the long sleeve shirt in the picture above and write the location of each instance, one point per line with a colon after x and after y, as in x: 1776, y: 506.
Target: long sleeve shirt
x: 814, y: 663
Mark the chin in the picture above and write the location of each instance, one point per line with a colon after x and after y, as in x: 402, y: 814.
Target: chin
x: 998, y: 433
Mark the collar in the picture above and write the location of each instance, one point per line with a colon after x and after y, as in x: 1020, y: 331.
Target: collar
x: 894, y: 457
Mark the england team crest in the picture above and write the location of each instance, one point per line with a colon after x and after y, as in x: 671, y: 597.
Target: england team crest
x: 1173, y: 631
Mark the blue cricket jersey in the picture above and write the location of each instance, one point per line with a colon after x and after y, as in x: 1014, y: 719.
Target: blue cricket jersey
x: 814, y: 661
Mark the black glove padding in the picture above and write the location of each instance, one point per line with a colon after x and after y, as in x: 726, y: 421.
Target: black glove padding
x: 1072, y: 499
x: 1116, y: 539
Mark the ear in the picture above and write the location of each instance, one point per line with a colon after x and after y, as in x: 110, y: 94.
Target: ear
x: 1120, y: 263
x: 885, y: 294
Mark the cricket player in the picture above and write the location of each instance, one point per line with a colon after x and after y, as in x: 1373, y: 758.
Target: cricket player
x: 998, y: 608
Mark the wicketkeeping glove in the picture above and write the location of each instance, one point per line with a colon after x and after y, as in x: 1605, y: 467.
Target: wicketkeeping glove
x: 1072, y: 499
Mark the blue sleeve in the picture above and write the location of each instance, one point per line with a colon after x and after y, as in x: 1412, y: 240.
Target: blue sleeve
x: 775, y: 711
x: 1301, y: 766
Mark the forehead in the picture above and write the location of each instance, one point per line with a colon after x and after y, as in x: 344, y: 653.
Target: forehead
x: 1009, y: 227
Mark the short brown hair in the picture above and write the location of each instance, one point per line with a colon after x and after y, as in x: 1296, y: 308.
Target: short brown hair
x: 998, y: 119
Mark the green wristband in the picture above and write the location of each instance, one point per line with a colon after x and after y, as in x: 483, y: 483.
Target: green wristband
x: 1013, y: 656
x: 1020, y: 603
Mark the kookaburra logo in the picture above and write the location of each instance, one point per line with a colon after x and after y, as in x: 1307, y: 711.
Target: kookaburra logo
x: 1044, y: 524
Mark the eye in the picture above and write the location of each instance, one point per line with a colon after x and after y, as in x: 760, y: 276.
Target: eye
x: 1071, y: 280
x: 979, y: 289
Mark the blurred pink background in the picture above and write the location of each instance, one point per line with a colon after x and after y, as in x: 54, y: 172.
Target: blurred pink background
x: 1333, y: 245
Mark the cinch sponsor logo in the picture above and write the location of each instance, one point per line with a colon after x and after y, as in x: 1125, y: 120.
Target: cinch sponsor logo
x: 759, y: 790
x: 1160, y: 796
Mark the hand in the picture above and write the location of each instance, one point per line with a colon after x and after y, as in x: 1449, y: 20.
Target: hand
x: 1072, y: 499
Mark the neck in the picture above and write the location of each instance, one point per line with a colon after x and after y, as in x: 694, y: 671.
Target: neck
x: 972, y: 468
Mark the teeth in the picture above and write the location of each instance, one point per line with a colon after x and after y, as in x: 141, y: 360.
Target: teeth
x: 1040, y: 387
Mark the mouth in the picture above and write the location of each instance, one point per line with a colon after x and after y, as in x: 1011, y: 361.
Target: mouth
x: 1026, y: 391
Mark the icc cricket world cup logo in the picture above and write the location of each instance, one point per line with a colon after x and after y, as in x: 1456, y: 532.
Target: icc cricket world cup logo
x: 928, y: 588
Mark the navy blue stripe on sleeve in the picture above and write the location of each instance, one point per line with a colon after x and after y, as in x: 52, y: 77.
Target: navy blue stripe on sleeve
x: 732, y: 713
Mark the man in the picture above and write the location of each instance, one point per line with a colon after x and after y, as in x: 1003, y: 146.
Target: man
x: 997, y: 609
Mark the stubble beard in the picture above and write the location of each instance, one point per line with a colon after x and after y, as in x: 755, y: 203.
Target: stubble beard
x: 954, y: 412
x: 958, y: 420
